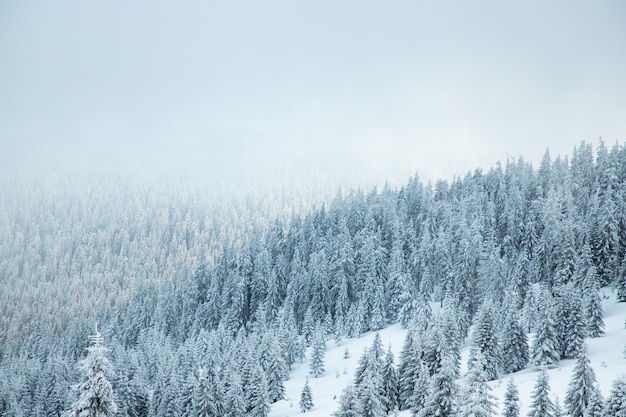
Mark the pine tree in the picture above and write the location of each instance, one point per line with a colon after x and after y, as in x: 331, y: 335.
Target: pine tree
x: 511, y: 400
x: 390, y: 382
x: 204, y: 401
x: 594, y: 409
x: 615, y: 405
x: 593, y: 307
x: 234, y: 399
x: 95, y: 393
x: 443, y: 390
x: 570, y: 326
x: 544, y: 350
x: 318, y: 350
x: 348, y: 404
x: 421, y: 389
x: 477, y: 400
x: 258, y: 397
x: 306, y: 398
x: 541, y: 404
x: 486, y: 342
x: 581, y: 387
x: 407, y: 369
x: 514, y: 345
x: 370, y: 398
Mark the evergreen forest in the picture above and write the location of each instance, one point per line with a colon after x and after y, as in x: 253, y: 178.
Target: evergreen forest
x: 121, y: 299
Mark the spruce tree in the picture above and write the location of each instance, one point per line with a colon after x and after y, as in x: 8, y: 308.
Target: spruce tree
x: 407, y: 369
x: 581, y: 387
x: 442, y: 394
x: 571, y: 325
x: 545, y: 350
x: 477, y: 400
x: 95, y: 392
x: 318, y: 350
x: 541, y: 405
x: 348, y: 404
x: 258, y: 397
x: 421, y: 389
x: 390, y: 382
x: 514, y: 350
x: 615, y: 405
x: 485, y: 342
x: 511, y: 401
x: 369, y: 395
x: 593, y: 306
x: 594, y: 409
x: 306, y: 398
x: 204, y: 401
x: 234, y: 399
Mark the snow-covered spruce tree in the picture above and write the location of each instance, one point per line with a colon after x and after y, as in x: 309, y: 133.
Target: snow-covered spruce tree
x: 348, y: 404
x: 318, y: 350
x: 203, y: 400
x: 514, y: 350
x: 306, y: 398
x: 369, y: 395
x: 593, y: 305
x: 258, y: 403
x: 615, y: 405
x: 511, y: 400
x: 407, y: 369
x: 541, y: 405
x: 620, y: 283
x: 95, y: 393
x: 485, y: 341
x: 273, y: 361
x: 421, y: 389
x: 544, y: 350
x: 390, y: 382
x: 476, y: 399
x: 581, y: 387
x: 596, y: 404
x: 234, y: 399
x: 442, y: 395
x: 570, y: 323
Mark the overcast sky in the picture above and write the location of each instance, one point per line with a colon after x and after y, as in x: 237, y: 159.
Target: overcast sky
x: 375, y: 89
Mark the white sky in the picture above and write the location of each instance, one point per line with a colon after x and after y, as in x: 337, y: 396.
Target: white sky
x: 362, y: 88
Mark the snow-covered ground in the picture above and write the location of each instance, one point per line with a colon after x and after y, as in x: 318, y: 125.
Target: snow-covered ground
x: 606, y: 355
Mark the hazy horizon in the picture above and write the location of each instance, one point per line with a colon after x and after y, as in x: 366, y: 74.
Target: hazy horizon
x: 377, y: 92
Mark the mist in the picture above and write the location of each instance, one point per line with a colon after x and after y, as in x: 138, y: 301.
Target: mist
x: 357, y: 92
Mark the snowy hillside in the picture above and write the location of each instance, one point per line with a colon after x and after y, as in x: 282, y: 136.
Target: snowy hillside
x: 605, y: 352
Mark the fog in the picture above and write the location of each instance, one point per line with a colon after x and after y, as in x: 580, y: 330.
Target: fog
x: 358, y: 92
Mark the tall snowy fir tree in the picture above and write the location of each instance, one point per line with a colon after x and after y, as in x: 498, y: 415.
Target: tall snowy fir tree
x: 582, y: 387
x: 511, y: 406
x: 542, y: 405
x: 348, y: 404
x: 615, y: 405
x: 593, y: 305
x: 95, y: 393
x: 390, y: 382
x: 318, y: 351
x: 485, y: 342
x: 514, y: 352
x: 476, y: 400
x: 545, y: 347
x: 421, y: 389
x: 306, y: 398
x: 441, y: 401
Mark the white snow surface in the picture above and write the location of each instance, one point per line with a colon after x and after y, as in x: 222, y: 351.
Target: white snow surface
x: 605, y: 353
